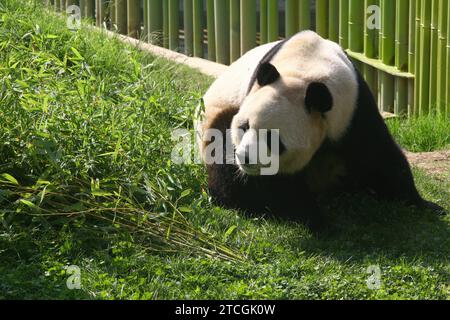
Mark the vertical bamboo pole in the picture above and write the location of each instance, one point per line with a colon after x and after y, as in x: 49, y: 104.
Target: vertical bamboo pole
x: 82, y: 5
x: 370, y: 49
x: 112, y: 13
x: 322, y: 17
x: 248, y: 25
x: 198, y: 28
x: 90, y: 9
x: 100, y: 12
x: 57, y: 5
x: 425, y: 42
x: 387, y: 36
x: 434, y: 54
x: 401, y: 55
x: 235, y: 30
x: 210, y: 22
x: 272, y: 20
x: 133, y: 18
x: 442, y: 58
x: 305, y: 15
x: 121, y: 16
x: 188, y: 27
x: 344, y: 8
x: 145, y: 22
x: 165, y: 10
x: 447, y: 110
x: 333, y: 25
x: 62, y: 5
x: 263, y: 21
x: 173, y: 24
x: 155, y: 21
x: 411, y: 55
x: 356, y: 23
x: 292, y: 11
x: 222, y: 26
x: 417, y: 48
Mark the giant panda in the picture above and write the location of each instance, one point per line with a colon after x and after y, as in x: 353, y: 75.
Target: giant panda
x: 331, y: 135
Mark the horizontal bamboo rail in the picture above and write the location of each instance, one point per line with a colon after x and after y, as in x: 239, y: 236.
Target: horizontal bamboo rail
x: 402, y: 47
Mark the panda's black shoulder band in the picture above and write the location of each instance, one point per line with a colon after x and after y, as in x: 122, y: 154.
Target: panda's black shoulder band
x: 266, y: 59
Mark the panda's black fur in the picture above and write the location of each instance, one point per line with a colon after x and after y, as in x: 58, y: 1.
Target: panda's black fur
x: 365, y: 158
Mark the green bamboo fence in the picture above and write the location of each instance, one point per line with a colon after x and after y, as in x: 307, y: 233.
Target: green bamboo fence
x: 406, y: 61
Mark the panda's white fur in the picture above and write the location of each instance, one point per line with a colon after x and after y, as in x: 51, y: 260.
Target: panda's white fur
x: 302, y: 59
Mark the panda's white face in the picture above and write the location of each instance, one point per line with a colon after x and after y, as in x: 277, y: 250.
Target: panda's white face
x: 308, y: 92
x: 280, y: 106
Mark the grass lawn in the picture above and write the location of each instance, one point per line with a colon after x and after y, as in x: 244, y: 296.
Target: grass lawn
x: 86, y: 180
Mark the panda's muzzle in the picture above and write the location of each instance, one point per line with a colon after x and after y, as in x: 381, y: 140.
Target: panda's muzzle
x: 247, y: 156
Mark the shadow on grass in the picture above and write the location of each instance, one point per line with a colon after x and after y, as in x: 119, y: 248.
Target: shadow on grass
x: 365, y: 227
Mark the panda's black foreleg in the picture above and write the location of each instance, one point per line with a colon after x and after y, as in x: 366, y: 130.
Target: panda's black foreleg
x: 392, y: 179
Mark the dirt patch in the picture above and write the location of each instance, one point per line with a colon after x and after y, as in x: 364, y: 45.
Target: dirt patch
x: 436, y: 163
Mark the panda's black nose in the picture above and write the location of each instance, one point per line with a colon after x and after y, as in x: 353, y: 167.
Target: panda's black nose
x: 245, y: 126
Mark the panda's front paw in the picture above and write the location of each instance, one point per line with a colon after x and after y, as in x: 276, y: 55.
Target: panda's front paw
x: 434, y: 207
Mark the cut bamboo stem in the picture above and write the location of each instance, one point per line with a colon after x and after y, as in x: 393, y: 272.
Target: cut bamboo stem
x: 121, y: 16
x: 235, y: 30
x: 210, y: 22
x: 198, y: 28
x: 174, y: 25
x: 133, y: 18
x: 292, y: 11
x: 344, y: 6
x: 272, y: 20
x: 248, y: 25
x: 322, y: 17
x: 188, y: 27
x: 155, y: 22
x: 305, y: 15
x: 222, y: 26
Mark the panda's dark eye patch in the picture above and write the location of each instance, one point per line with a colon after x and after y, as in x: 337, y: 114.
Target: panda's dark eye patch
x: 318, y: 98
x: 267, y: 74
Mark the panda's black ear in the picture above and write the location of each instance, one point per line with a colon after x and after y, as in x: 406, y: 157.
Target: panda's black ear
x: 267, y: 74
x: 318, y: 98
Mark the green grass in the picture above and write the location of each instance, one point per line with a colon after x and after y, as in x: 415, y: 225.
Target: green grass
x: 85, y: 127
x: 422, y: 134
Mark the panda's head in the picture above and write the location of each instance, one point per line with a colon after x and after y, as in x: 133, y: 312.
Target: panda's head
x: 299, y: 104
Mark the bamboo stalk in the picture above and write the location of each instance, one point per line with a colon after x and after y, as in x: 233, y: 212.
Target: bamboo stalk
x: 272, y: 20
x: 387, y: 36
x: 155, y: 21
x: 425, y: 50
x: 401, y: 55
x: 82, y: 5
x: 173, y: 24
x: 322, y: 17
x: 57, y: 4
x: 165, y: 10
x: 248, y: 25
x: 121, y: 16
x: 333, y: 25
x: 112, y: 13
x: 447, y: 110
x: 90, y: 9
x: 370, y: 50
x: 305, y: 15
x: 344, y: 6
x: 145, y: 22
x: 235, y: 30
x: 198, y: 28
x: 263, y: 22
x: 188, y: 27
x: 417, y: 57
x: 292, y: 11
x: 100, y: 12
x: 434, y: 54
x: 210, y: 21
x: 411, y: 55
x: 133, y: 18
x: 441, y: 56
x: 222, y: 27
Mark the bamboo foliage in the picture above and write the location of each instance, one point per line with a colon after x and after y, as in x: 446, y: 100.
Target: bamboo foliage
x: 405, y: 61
